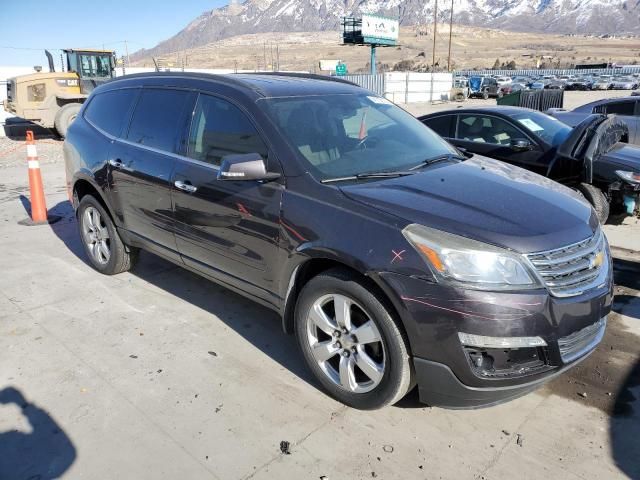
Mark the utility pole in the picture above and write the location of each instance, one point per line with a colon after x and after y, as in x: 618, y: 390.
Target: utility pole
x: 126, y: 51
x: 435, y: 32
x: 264, y: 52
x: 450, y: 38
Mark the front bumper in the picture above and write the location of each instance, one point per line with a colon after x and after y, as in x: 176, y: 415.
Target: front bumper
x: 452, y: 375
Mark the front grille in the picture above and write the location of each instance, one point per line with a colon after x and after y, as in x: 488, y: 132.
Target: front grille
x: 574, y: 269
x: 581, y: 342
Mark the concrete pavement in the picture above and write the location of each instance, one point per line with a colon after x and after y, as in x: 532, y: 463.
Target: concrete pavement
x: 158, y: 373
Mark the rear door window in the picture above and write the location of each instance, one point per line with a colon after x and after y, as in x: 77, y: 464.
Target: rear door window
x: 220, y: 128
x: 109, y: 111
x: 443, y: 125
x: 484, y: 129
x: 158, y: 118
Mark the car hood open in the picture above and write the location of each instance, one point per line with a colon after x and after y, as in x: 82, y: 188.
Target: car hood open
x: 592, y: 138
x: 486, y: 200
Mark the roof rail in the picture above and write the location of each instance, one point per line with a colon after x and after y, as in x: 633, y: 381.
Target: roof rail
x: 311, y: 76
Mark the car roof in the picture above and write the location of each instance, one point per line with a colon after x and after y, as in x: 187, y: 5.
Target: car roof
x: 603, y: 101
x: 500, y: 110
x: 276, y: 84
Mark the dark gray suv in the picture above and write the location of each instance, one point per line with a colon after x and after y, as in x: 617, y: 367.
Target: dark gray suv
x: 394, y: 260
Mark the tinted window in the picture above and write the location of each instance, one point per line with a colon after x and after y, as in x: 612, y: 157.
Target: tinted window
x: 550, y: 129
x: 342, y: 135
x: 443, y: 126
x: 482, y: 129
x: 158, y: 118
x: 220, y: 128
x: 110, y: 110
x: 621, y: 108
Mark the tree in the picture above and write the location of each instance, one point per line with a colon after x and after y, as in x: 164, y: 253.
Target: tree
x: 496, y: 65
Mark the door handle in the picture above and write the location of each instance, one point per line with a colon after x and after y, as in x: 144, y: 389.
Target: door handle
x: 185, y: 186
x: 116, y: 163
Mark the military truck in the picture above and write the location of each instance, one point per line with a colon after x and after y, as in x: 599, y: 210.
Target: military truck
x: 53, y: 99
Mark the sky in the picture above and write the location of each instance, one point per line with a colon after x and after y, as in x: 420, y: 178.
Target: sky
x: 27, y: 27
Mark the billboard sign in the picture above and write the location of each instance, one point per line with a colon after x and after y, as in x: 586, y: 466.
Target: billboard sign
x: 380, y: 30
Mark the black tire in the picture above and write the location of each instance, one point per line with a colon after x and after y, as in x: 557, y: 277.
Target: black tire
x: 485, y: 95
x: 65, y: 117
x: 121, y: 258
x: 597, y: 199
x: 396, y: 378
x: 500, y: 94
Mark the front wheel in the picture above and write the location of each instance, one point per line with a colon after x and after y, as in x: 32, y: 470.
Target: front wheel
x: 102, y: 243
x: 351, y: 342
x: 65, y: 117
x: 597, y: 199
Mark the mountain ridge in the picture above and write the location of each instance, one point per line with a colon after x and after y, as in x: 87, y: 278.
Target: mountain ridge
x: 587, y: 17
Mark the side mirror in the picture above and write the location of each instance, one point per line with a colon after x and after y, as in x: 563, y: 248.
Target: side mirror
x: 249, y: 166
x: 521, y: 145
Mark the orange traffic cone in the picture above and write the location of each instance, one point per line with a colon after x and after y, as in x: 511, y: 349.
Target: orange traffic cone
x: 38, y: 205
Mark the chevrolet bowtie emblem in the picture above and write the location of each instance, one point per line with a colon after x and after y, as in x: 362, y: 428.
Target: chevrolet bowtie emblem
x: 597, y: 260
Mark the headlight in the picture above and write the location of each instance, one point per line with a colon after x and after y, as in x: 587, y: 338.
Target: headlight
x: 472, y: 263
x: 630, y: 177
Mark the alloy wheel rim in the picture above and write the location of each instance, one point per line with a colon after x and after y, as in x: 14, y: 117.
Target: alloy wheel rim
x: 345, y: 343
x: 96, y: 235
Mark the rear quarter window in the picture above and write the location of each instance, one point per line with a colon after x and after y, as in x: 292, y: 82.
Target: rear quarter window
x: 110, y: 110
x: 443, y: 125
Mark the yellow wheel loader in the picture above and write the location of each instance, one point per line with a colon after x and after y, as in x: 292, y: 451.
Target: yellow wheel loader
x: 53, y: 99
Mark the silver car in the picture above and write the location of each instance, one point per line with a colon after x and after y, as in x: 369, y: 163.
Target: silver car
x: 626, y: 108
x: 625, y: 83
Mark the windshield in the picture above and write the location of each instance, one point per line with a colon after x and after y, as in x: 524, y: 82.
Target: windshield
x: 551, y: 130
x: 344, y: 135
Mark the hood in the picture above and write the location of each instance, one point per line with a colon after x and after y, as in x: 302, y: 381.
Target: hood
x: 486, y: 200
x: 623, y: 155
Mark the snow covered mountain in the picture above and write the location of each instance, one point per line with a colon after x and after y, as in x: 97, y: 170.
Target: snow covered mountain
x: 554, y: 16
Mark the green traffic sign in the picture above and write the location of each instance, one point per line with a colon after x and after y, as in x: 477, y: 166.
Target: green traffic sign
x: 341, y: 69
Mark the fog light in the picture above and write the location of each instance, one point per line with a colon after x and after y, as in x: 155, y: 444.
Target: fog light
x: 500, y: 342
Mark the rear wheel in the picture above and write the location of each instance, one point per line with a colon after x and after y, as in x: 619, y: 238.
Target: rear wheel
x: 485, y: 95
x: 597, y: 199
x: 102, y: 243
x: 65, y: 117
x: 351, y: 341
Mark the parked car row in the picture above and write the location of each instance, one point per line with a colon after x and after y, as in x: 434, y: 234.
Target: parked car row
x: 560, y: 82
x: 393, y: 257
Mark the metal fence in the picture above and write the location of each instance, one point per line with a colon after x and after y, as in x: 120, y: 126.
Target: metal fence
x: 572, y: 71
x: 375, y: 83
x: 541, y: 100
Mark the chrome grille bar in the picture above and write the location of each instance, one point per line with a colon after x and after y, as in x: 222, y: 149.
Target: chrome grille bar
x: 581, y: 342
x: 573, y: 269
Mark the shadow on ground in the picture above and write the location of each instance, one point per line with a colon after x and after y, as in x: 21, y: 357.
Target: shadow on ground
x: 258, y: 325
x: 46, y: 452
x: 624, y: 426
x: 16, y: 128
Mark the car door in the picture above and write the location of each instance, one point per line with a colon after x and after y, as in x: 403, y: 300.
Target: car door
x: 226, y: 229
x: 141, y: 165
x: 494, y: 137
x: 627, y: 110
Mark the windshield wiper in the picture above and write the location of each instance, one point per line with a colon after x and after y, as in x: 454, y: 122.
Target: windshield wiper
x: 364, y: 176
x: 447, y: 157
